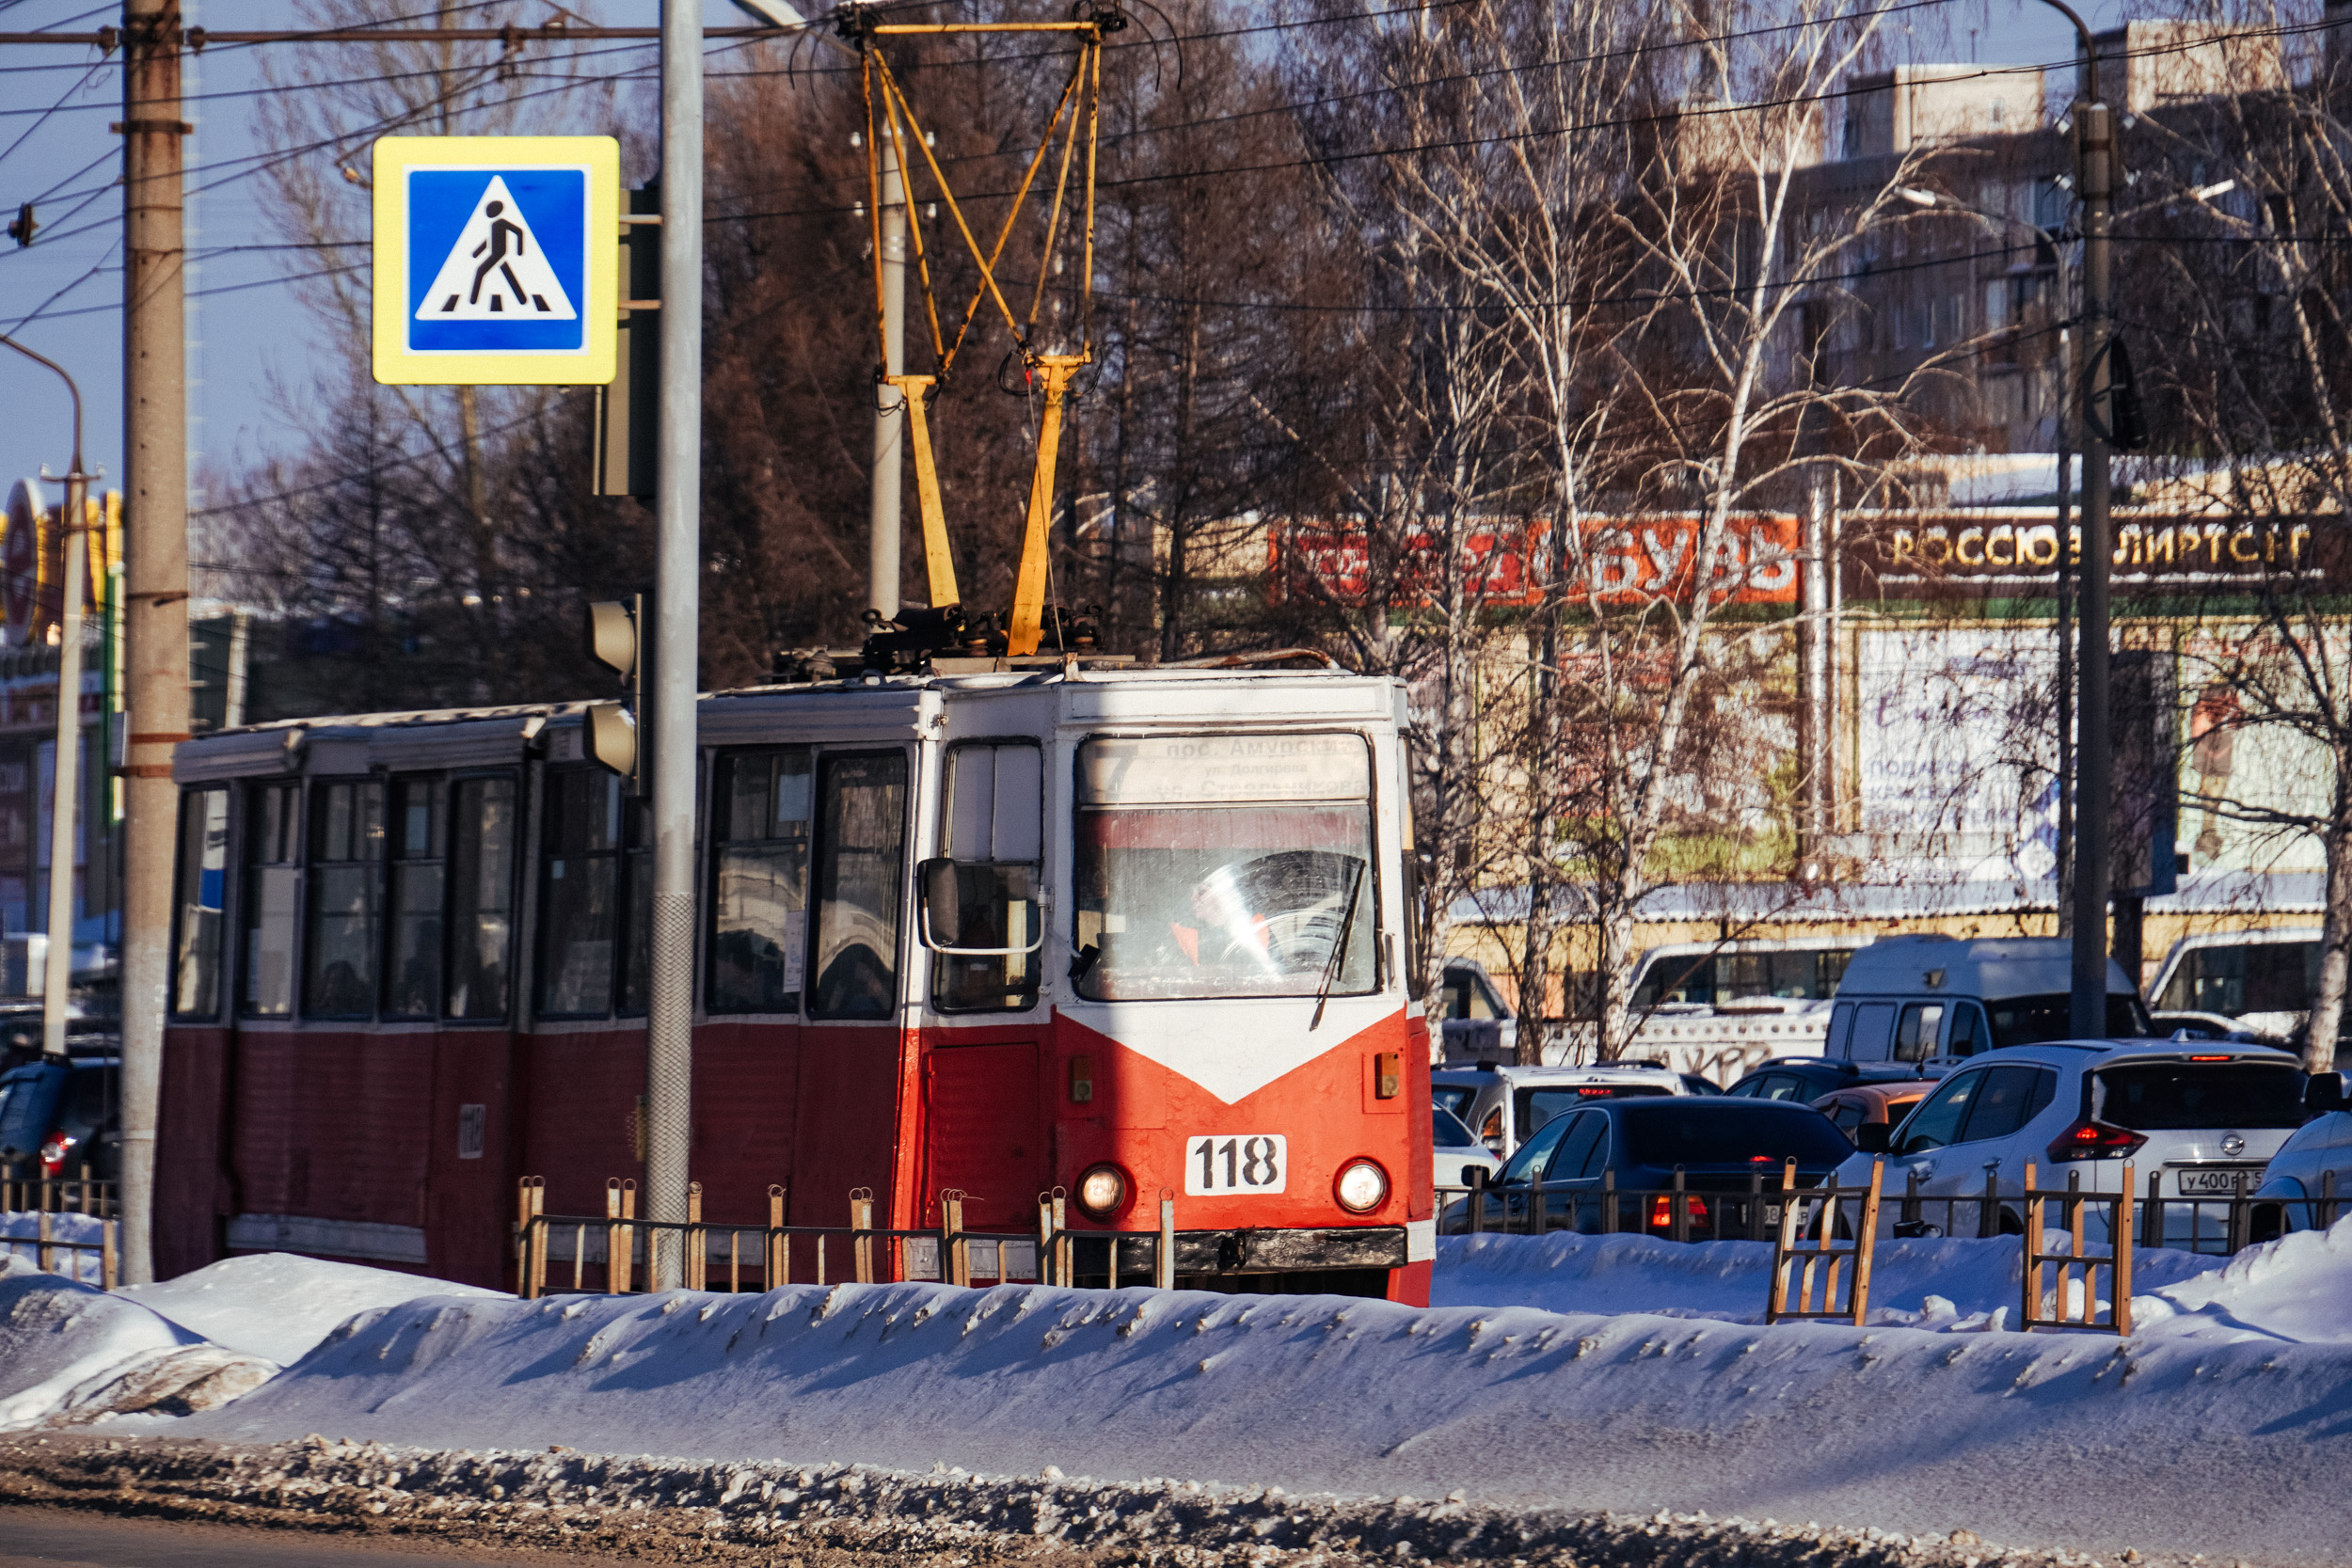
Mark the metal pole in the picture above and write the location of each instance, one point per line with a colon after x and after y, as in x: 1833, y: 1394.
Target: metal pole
x: 155, y: 552
x: 886, y: 521
x: 678, y: 585
x: 2095, y: 755
x: 57, y: 974
x: 1818, y: 651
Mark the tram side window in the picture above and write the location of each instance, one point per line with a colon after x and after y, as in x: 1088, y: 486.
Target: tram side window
x: 272, y: 856
x: 861, y: 842
x: 480, y: 897
x: 346, y: 856
x: 759, y: 883
x: 589, y: 836
x: 203, y: 878
x: 412, y: 976
x: 992, y: 829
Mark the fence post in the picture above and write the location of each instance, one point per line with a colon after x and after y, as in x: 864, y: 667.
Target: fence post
x: 778, y: 1267
x: 1165, y: 1276
x: 1065, y: 1247
x: 697, y: 1246
x: 2327, y: 1200
x: 2120, y: 1245
x: 1681, y: 1227
x: 2032, y: 1270
x: 1989, y: 1206
x: 106, y: 1265
x: 1476, y: 1178
x: 1608, y: 1203
x: 40, y: 1233
x: 1911, y: 1197
x: 2152, y: 1217
x: 618, y: 1243
x: 861, y: 1244
x: 2235, y: 1240
x: 1045, y: 1238
x: 1755, y: 1206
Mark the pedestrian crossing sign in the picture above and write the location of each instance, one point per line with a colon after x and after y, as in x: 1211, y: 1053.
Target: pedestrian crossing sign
x: 496, y: 260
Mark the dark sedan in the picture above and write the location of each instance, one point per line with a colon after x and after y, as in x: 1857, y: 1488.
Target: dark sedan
x: 1623, y: 1154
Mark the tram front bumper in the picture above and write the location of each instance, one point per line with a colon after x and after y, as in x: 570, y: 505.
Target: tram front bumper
x: 1270, y: 1250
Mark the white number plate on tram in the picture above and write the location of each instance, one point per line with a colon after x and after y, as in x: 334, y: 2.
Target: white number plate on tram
x: 1244, y: 1162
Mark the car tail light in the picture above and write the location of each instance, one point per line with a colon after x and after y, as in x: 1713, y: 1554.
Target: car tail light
x: 2212, y: 1058
x: 2096, y: 1140
x: 54, y: 1149
x: 1662, y: 1211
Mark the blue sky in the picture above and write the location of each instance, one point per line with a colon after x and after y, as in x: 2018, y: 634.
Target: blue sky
x: 247, y: 332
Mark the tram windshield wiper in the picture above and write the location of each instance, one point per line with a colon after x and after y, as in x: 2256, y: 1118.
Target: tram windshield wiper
x: 1339, y: 947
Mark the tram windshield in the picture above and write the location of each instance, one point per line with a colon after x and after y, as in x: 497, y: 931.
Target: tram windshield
x: 1225, y: 865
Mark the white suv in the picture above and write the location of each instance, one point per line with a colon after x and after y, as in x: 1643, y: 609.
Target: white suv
x: 2199, y: 1113
x: 1505, y: 1105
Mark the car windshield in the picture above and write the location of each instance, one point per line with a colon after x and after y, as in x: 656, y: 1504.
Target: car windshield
x: 1225, y: 865
x: 1451, y: 1099
x: 1692, y: 1132
x: 2179, y: 1096
x: 2030, y: 1020
x: 1448, y: 1130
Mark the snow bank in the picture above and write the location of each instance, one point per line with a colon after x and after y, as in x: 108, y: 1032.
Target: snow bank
x: 2012, y: 1436
x: 20, y: 1232
x: 276, y: 1305
x: 70, y: 1354
x: 1944, y: 1284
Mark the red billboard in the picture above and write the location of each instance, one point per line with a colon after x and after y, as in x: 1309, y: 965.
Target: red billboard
x: 1614, y: 560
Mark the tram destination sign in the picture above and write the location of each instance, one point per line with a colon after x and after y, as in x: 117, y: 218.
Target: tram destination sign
x: 496, y: 260
x: 1198, y: 769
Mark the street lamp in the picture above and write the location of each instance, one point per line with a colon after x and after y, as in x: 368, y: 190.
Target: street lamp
x: 58, y: 972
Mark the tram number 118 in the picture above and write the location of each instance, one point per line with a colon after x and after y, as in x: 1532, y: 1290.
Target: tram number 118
x: 1245, y: 1163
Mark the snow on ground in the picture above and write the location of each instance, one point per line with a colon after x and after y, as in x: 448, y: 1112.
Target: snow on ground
x: 19, y: 1231
x: 2219, y: 1427
x: 276, y: 1305
x: 2300, y: 1289
x: 68, y: 1352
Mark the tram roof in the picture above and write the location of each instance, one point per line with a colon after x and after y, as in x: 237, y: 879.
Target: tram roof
x: 489, y: 733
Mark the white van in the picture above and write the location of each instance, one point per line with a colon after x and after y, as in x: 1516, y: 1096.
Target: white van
x: 1937, y: 1000
x: 2263, y: 980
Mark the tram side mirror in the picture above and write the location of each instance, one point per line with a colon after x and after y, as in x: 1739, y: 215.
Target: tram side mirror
x: 2324, y: 1092
x: 942, y: 902
x: 1873, y: 1137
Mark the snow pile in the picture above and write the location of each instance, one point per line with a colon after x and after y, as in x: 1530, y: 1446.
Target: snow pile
x: 1518, y: 1407
x: 276, y: 1305
x: 70, y: 1354
x: 20, y: 1233
x: 1950, y: 1285
x: 2297, y: 1289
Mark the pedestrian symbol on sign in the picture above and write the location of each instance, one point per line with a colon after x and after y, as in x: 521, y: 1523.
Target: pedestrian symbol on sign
x: 496, y: 268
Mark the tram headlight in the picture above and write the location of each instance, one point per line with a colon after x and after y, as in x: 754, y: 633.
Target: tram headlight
x: 1362, y: 1186
x: 1103, y: 1190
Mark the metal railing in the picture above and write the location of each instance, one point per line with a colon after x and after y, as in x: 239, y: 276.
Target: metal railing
x: 607, y: 1253
x: 2221, y: 1225
x: 27, y: 1188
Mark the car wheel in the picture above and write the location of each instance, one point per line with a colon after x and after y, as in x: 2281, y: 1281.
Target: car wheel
x: 2267, y: 1223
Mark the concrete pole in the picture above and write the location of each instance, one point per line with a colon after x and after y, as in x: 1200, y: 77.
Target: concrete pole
x: 890, y: 415
x: 677, y: 588
x: 1817, y: 653
x: 155, y: 557
x: 2094, y: 757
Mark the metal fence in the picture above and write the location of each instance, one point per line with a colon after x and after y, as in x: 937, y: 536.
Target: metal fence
x: 28, y: 1188
x: 610, y: 1252
x: 2221, y: 1225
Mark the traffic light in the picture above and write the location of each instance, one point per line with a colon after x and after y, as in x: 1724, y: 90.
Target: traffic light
x: 614, y: 639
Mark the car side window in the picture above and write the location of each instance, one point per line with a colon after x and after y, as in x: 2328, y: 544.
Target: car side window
x: 1576, y: 1146
x: 1780, y: 1086
x: 1915, y: 1032
x: 1937, y: 1123
x: 1847, y: 1115
x: 1535, y: 1152
x: 1840, y: 1040
x: 2003, y: 1105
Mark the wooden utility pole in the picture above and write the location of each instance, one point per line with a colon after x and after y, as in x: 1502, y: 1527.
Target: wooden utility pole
x: 155, y: 556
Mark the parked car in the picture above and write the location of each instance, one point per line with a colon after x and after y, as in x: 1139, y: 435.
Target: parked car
x: 1505, y: 1105
x: 2193, y: 1115
x: 64, y: 1113
x: 1458, y: 1152
x: 1805, y: 1079
x: 2261, y: 981
x: 1930, y: 1002
x: 2297, y: 1174
x: 1858, y: 1106
x: 1479, y: 1025
x: 2208, y: 1026
x: 1716, y: 1144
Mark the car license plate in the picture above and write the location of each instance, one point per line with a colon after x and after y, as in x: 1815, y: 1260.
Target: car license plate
x: 1220, y: 1166
x: 2217, y: 1183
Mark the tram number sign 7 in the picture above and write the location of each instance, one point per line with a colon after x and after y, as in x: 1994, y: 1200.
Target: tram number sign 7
x: 1244, y: 1162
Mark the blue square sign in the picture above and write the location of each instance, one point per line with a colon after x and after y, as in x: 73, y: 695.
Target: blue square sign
x: 495, y: 259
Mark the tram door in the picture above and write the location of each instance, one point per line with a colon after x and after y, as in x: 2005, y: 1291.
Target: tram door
x: 984, y: 1097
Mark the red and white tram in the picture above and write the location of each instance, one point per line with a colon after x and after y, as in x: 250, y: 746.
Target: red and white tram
x: 1122, y: 932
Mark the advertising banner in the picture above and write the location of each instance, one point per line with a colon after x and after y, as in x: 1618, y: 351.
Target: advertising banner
x: 1617, y: 561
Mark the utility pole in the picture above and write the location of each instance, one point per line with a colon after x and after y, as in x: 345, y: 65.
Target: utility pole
x: 678, y: 589
x: 155, y: 552
x: 890, y: 407
x: 2094, y: 135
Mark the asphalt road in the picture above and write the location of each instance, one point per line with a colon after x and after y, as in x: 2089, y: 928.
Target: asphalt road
x: 60, y: 1538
